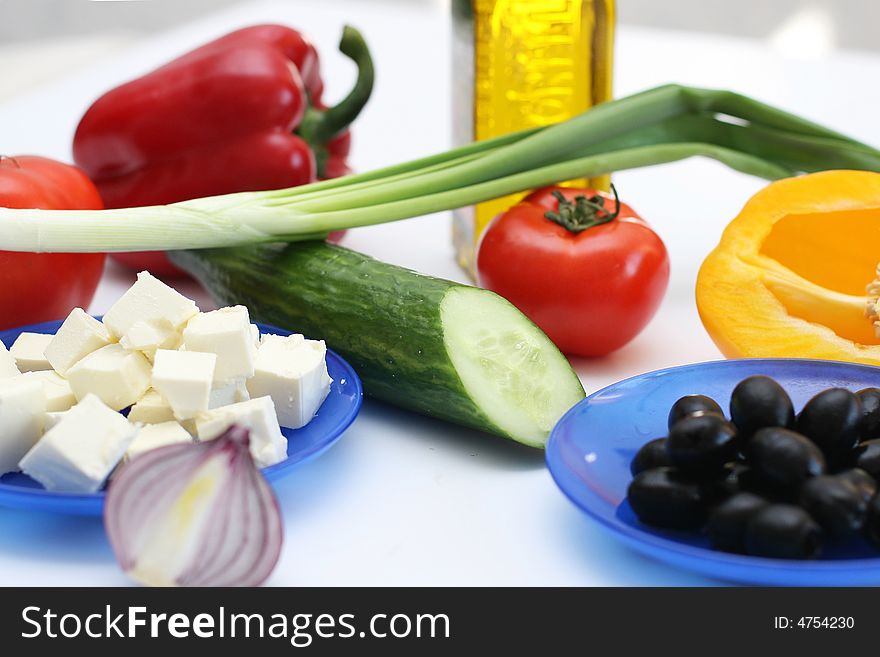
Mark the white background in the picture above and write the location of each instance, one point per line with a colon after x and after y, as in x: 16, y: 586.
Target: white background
x: 403, y: 500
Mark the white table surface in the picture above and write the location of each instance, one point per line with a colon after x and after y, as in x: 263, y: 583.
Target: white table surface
x: 404, y: 500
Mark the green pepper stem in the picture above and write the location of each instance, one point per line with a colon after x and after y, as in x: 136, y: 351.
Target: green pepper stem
x: 320, y: 126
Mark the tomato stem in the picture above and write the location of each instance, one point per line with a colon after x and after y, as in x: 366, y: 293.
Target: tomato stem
x: 583, y: 213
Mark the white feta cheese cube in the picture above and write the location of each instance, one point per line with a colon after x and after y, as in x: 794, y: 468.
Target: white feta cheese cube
x: 255, y: 334
x: 117, y: 376
x: 79, y: 335
x: 226, y: 333
x: 151, y: 409
x: 53, y: 418
x: 154, y: 436
x: 184, y: 379
x: 286, y: 342
x: 293, y: 372
x: 29, y: 352
x: 224, y: 393
x: 22, y: 417
x: 268, y: 444
x: 8, y: 368
x: 147, y: 337
x: 149, y: 300
x: 59, y: 396
x: 79, y: 453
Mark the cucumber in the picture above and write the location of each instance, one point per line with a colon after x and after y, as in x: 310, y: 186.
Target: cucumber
x: 439, y: 348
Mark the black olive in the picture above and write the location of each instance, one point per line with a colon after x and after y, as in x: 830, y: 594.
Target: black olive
x: 784, y: 459
x: 872, y: 521
x: 726, y: 483
x: 759, y: 402
x: 690, y: 404
x: 663, y: 498
x: 836, y: 505
x: 701, y: 444
x: 832, y: 419
x: 702, y: 413
x: 783, y: 531
x: 868, y: 457
x: 750, y: 481
x: 651, y: 455
x: 727, y: 522
x: 864, y: 483
x: 870, y: 427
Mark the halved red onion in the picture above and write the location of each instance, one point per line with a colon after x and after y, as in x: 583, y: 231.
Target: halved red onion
x: 195, y: 515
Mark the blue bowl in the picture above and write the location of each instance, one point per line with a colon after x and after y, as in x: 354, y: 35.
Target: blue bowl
x: 335, y: 415
x: 590, y: 450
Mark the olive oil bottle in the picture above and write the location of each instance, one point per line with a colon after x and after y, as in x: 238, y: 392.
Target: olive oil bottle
x: 519, y: 64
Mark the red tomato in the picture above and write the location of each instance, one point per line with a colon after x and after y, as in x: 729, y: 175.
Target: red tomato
x: 590, y: 291
x: 37, y: 287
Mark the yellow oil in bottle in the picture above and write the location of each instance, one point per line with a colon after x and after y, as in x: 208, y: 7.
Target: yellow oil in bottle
x: 519, y: 64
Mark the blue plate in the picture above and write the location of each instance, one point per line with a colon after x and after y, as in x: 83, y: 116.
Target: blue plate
x: 335, y: 415
x: 591, y: 447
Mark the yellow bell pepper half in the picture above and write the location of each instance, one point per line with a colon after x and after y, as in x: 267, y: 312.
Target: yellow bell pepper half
x: 794, y: 273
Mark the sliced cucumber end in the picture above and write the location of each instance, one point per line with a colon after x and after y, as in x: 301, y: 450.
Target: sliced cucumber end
x: 509, y: 368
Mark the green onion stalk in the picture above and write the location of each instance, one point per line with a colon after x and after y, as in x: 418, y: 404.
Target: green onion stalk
x: 660, y: 125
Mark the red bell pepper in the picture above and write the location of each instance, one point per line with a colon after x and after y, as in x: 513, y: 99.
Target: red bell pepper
x: 37, y: 287
x: 242, y: 113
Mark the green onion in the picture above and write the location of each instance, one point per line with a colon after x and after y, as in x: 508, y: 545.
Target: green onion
x: 660, y: 125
